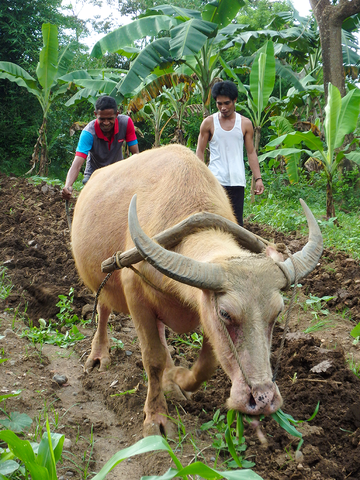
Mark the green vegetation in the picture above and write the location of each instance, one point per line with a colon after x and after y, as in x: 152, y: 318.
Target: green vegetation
x: 157, y: 443
x: 5, y: 284
x: 227, y: 438
x: 279, y: 207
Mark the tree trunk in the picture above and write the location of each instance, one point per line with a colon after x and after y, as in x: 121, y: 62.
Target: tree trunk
x: 330, y: 19
x: 40, y: 153
x: 330, y: 207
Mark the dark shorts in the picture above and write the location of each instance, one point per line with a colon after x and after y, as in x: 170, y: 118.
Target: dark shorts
x: 236, y: 196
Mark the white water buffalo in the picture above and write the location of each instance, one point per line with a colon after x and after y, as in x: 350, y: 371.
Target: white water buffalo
x: 203, y: 277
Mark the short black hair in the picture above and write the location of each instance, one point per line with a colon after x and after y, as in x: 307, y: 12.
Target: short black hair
x: 105, y: 102
x: 227, y: 89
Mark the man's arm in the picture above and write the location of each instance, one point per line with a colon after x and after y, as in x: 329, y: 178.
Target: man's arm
x: 204, y: 138
x: 134, y: 148
x: 72, y: 175
x: 252, y: 156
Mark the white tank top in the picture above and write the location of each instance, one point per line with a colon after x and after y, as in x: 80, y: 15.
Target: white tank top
x: 227, y: 153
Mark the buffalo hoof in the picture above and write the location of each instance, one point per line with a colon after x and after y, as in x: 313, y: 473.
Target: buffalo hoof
x: 167, y: 429
x: 91, y: 362
x: 174, y: 392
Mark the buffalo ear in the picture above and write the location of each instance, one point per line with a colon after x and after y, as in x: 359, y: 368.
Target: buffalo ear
x: 274, y: 254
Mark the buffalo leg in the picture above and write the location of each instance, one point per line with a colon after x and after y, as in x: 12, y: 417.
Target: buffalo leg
x: 100, y: 347
x: 169, y: 387
x: 155, y: 358
x: 202, y: 370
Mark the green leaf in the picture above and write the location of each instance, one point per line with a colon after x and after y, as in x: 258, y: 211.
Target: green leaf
x: 81, y: 95
x: 285, y: 72
x: 262, y: 78
x: 355, y: 332
x: 189, y: 37
x: 284, y: 152
x: 180, y: 13
x: 294, y: 138
x: 292, y: 166
x: 348, y: 116
x: 332, y: 110
x: 231, y: 447
x: 9, y: 395
x: 198, y: 468
x: 127, y: 34
x: 283, y: 420
x: 230, y: 73
x: 150, y: 57
x: 18, y: 422
x: 66, y: 56
x: 222, y: 12
x: 18, y: 75
x: 44, y: 457
x: 46, y: 70
x: 148, y: 444
x: 8, y: 467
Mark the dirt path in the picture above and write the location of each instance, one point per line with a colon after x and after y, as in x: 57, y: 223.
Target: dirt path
x: 34, y: 246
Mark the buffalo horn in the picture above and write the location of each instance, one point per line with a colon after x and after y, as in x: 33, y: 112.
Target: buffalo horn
x: 209, y: 276
x: 172, y: 236
x: 307, y: 258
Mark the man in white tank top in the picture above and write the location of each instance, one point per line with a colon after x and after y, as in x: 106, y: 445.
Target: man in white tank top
x: 227, y: 132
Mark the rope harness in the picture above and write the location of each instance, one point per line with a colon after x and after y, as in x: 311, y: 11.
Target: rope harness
x: 221, y: 321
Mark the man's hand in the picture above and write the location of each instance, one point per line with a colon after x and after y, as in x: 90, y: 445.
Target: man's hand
x: 259, y: 187
x: 66, y: 193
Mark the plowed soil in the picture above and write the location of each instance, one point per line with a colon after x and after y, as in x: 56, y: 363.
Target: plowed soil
x: 35, y: 248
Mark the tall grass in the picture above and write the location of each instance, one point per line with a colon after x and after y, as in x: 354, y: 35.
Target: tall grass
x: 279, y: 207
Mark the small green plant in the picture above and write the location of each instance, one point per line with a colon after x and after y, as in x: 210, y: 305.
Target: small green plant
x: 355, y: 332
x: 25, y: 458
x: 317, y: 305
x: 320, y: 325
x: 194, y: 340
x: 83, y: 469
x: 354, y: 367
x: 66, y: 314
x: 118, y: 344
x: 17, y: 422
x: 46, y: 334
x: 5, y: 284
x: 288, y: 423
x: 158, y: 443
x: 227, y: 438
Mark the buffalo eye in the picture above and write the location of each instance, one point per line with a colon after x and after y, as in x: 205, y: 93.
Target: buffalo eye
x: 225, y: 315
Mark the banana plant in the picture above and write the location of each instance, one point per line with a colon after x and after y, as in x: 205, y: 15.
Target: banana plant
x: 193, y: 40
x: 341, y: 117
x: 46, y: 88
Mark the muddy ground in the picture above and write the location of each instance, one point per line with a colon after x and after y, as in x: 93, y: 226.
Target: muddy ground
x: 34, y: 246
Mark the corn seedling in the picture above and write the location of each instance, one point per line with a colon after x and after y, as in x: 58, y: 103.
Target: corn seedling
x: 288, y: 423
x: 5, y: 284
x: 25, y: 458
x: 83, y: 470
x: 227, y: 438
x: 158, y: 443
x: 354, y: 367
x: 194, y: 340
x: 355, y: 333
x: 320, y: 325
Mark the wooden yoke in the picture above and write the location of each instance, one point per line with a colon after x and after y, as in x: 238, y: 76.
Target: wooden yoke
x: 172, y: 236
